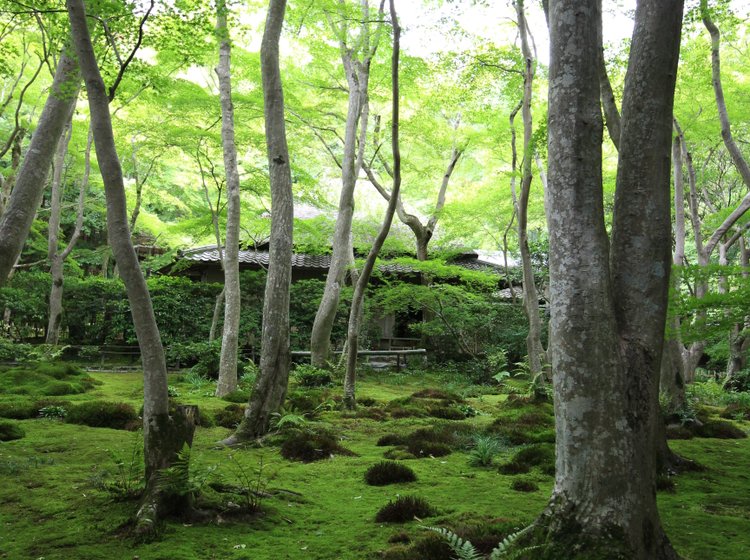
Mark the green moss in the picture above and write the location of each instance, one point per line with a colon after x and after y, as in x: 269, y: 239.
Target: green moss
x: 10, y: 431
x: 45, y: 380
x: 237, y: 396
x: 720, y: 429
x: 104, y: 414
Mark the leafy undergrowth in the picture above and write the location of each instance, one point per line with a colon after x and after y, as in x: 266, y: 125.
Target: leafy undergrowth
x: 53, y: 505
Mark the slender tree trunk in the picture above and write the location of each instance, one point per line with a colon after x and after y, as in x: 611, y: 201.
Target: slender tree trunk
x: 355, y: 315
x: 16, y: 220
x: 164, y: 435
x: 608, y: 315
x: 218, y: 306
x: 275, y: 358
x: 537, y: 354
x: 738, y: 339
x: 357, y: 76
x: 227, y: 381
x: 56, y: 266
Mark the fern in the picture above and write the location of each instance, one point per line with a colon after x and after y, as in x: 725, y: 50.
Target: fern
x: 462, y: 547
x: 464, y: 550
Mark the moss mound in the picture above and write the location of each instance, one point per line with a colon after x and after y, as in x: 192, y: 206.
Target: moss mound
x: 10, y: 431
x: 541, y: 456
x: 446, y: 412
x: 438, y: 394
x: 230, y: 416
x: 720, y: 429
x: 308, y: 446
x: 104, y: 414
x: 524, y: 485
x: 18, y: 410
x: 45, y: 380
x: 403, y: 509
x: 237, y: 396
x: 389, y: 472
x: 391, y: 439
x: 676, y: 431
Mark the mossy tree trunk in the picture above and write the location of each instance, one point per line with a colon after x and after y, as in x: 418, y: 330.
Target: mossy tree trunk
x: 164, y: 435
x: 608, y: 301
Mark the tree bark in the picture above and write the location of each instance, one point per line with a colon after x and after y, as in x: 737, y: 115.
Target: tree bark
x: 57, y: 258
x: 16, y: 220
x: 227, y: 381
x: 164, y: 435
x: 608, y: 315
x: 275, y: 358
x: 536, y: 353
x: 355, y: 315
x: 53, y: 226
x: 357, y: 77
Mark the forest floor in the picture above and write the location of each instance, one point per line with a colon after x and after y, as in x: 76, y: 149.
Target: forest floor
x: 54, y: 504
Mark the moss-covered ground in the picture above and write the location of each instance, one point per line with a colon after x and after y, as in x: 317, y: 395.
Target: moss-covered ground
x: 52, y: 504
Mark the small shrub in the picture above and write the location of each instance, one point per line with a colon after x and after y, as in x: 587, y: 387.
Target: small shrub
x: 485, y: 448
x: 237, y: 396
x: 367, y: 402
x: 173, y: 391
x: 431, y: 547
x: 736, y: 411
x: 403, y: 509
x: 389, y: 472
x: 311, y: 376
x: 103, y: 414
x: 10, y: 431
x: 308, y: 446
x: 53, y: 411
x: 231, y: 416
x: 524, y: 485
x: 14, y: 351
x: 720, y: 429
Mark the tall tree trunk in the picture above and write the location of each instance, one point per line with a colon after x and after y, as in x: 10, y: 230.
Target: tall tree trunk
x: 537, y: 354
x: 164, y: 435
x: 608, y: 315
x: 357, y: 76
x: 16, y: 220
x: 227, y: 381
x: 355, y: 315
x: 6, y: 185
x: 57, y: 258
x: 275, y: 356
x: 53, y: 227
x: 738, y: 339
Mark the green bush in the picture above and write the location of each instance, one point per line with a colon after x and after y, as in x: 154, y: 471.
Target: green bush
x: 542, y: 456
x: 307, y: 375
x: 14, y: 351
x: 10, y: 431
x: 104, y: 414
x: 389, y: 472
x: 403, y: 509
